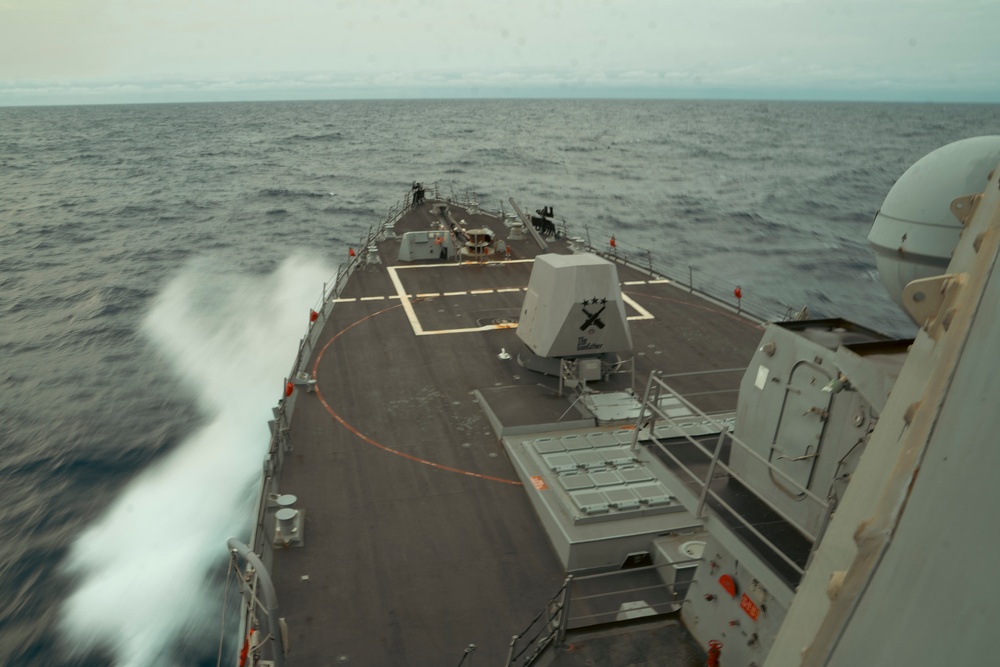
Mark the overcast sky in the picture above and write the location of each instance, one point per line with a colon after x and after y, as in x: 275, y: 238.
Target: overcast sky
x: 93, y: 51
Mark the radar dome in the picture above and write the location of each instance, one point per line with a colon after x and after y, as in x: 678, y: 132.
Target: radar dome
x: 914, y: 233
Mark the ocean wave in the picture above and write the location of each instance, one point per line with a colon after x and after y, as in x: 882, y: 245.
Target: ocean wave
x: 134, y: 210
x: 118, y: 297
x: 327, y: 137
x: 211, y: 335
x: 287, y: 193
x: 347, y: 211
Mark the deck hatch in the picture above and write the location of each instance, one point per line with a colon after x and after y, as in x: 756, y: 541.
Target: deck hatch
x: 590, y: 502
x: 617, y: 455
x: 589, y: 459
x: 653, y: 494
x: 606, y: 478
x: 576, y: 482
x: 623, y: 498
x: 560, y: 462
x: 633, y: 475
x: 548, y: 446
x: 624, y: 437
x: 575, y: 442
x: 601, y: 439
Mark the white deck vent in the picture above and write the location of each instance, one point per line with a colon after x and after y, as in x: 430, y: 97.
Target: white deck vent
x: 288, y: 523
x: 683, y: 553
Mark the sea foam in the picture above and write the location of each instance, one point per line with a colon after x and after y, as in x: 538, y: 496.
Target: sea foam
x: 145, y: 568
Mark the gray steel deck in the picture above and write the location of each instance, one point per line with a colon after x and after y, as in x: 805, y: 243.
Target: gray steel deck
x: 419, y: 540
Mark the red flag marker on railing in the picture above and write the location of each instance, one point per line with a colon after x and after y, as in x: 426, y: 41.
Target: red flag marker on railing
x: 613, y: 243
x: 246, y: 647
x: 313, y: 315
x: 738, y: 292
x: 350, y: 252
x: 289, y: 388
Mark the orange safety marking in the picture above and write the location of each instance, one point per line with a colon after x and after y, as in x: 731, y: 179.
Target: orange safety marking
x: 747, y: 605
x: 375, y: 443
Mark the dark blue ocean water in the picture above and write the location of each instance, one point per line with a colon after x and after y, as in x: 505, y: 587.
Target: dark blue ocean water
x: 157, y: 264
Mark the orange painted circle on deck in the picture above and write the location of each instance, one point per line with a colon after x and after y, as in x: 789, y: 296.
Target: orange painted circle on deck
x: 375, y: 443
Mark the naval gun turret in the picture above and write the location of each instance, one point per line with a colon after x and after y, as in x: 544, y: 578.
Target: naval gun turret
x: 573, y: 322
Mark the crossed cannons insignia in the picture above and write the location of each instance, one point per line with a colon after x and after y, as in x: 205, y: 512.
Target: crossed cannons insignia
x: 593, y: 318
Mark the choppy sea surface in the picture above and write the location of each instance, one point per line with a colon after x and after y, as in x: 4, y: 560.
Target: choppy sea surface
x: 157, y: 264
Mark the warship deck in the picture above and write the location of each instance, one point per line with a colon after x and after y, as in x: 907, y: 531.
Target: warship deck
x: 419, y: 540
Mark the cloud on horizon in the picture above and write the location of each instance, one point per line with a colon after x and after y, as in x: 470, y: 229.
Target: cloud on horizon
x: 744, y: 82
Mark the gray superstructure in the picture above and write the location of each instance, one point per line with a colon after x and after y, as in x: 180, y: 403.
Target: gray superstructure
x: 496, y: 448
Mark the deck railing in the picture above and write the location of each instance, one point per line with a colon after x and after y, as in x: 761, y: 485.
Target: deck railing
x: 651, y: 412
x: 547, y: 626
x: 753, y: 305
x: 573, y: 608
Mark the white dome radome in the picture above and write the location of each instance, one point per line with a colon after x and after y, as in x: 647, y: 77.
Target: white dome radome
x: 914, y: 233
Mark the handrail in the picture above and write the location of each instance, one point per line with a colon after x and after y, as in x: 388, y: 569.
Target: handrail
x: 555, y: 614
x: 650, y: 412
x: 559, y: 620
x: 764, y: 309
x: 268, y: 620
x: 655, y: 376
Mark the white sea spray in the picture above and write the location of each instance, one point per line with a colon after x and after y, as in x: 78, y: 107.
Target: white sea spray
x: 143, y: 567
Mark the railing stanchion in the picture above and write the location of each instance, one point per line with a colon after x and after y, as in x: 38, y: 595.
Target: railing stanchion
x: 711, y: 472
x: 510, y: 650
x: 564, y: 612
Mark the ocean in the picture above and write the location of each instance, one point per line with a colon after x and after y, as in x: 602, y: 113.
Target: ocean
x: 158, y: 262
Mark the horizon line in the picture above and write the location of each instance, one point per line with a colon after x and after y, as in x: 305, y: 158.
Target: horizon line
x: 387, y: 96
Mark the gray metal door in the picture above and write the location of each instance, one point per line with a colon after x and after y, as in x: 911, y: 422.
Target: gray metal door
x: 800, y: 430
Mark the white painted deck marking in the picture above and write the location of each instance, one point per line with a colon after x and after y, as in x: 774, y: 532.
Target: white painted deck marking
x: 404, y: 300
x: 488, y: 327
x: 418, y: 330
x: 411, y: 315
x: 643, y: 313
x: 496, y: 263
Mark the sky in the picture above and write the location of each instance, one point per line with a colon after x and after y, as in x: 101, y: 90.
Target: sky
x: 126, y: 51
